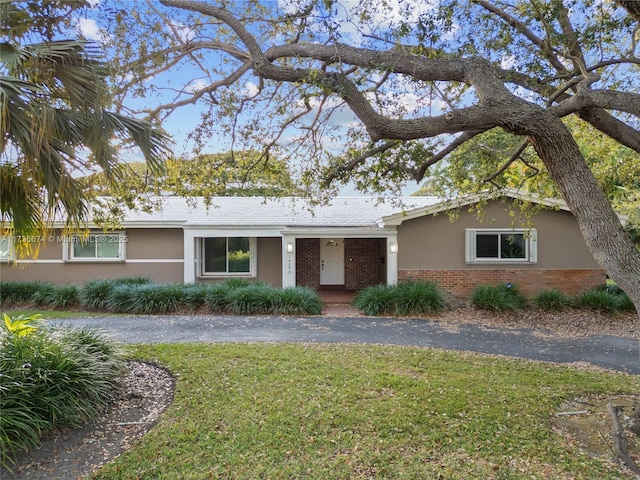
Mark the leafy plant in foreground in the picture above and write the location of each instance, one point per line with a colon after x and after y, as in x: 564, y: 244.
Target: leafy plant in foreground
x: 52, y: 378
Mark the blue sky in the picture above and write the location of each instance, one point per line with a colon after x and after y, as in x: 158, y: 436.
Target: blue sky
x: 181, y: 122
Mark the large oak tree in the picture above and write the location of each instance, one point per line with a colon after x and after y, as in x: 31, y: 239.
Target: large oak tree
x: 420, y: 79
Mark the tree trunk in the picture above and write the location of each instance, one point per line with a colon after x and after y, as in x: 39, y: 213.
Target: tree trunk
x: 601, y: 228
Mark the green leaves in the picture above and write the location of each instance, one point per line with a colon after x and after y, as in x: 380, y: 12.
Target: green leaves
x: 54, y: 123
x: 22, y: 325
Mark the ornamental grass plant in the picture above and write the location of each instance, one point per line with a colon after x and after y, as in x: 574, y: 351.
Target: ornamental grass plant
x: 498, y: 298
x: 52, y: 378
x: 552, y: 300
x: 19, y: 292
x: 407, y: 298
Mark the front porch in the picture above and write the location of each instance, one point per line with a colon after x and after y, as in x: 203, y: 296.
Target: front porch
x: 351, y: 263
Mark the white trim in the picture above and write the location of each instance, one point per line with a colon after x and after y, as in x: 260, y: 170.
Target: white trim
x: 37, y: 260
x: 288, y: 262
x: 155, y: 260
x: 68, y: 243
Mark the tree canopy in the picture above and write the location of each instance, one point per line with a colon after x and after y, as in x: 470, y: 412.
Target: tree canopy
x: 229, y: 174
x: 54, y: 121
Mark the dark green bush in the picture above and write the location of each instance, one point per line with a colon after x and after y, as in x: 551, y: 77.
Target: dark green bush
x: 416, y: 298
x: 251, y: 300
x: 296, y: 301
x: 152, y: 298
x: 19, y: 292
x: 94, y: 294
x: 552, y: 300
x: 56, y: 296
x: 408, y: 298
x: 376, y: 300
x: 51, y: 379
x: 606, y: 299
x: 195, y: 294
x: 498, y: 298
x: 217, y: 296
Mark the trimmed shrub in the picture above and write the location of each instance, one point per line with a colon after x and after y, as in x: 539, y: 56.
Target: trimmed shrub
x: 216, y: 297
x: 53, y: 378
x: 146, y: 298
x: 419, y: 298
x: 56, y: 296
x: 19, y: 292
x: 597, y: 300
x: 606, y: 299
x: 376, y: 300
x: 498, y: 298
x: 409, y: 298
x: 552, y: 300
x: 43, y: 296
x: 296, y: 301
x: 195, y: 294
x: 94, y: 294
x: 251, y: 300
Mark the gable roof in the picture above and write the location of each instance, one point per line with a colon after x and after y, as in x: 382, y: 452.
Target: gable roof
x: 340, y: 212
x: 273, y: 212
x: 443, y: 205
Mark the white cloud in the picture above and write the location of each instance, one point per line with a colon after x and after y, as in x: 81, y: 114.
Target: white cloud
x: 89, y: 29
x: 196, y: 85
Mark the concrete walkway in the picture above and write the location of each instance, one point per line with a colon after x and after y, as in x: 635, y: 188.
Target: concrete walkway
x: 621, y: 354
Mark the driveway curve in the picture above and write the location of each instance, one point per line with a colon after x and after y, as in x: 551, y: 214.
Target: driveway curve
x: 615, y: 353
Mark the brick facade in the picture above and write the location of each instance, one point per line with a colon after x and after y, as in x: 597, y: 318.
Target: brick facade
x: 363, y: 265
x: 458, y: 284
x: 363, y: 262
x: 308, y: 262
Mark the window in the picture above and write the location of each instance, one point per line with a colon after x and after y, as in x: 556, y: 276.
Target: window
x: 97, y: 247
x: 227, y: 256
x: 6, y: 249
x: 508, y: 246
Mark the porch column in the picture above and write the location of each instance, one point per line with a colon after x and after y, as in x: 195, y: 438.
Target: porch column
x: 189, y: 257
x: 392, y: 259
x: 288, y: 261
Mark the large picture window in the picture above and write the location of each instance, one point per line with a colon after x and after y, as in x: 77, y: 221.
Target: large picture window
x: 227, y: 256
x: 97, y: 247
x: 497, y: 245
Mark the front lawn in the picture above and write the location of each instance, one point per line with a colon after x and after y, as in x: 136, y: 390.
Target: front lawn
x: 337, y: 411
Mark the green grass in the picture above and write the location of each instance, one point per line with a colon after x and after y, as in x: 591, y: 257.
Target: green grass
x: 47, y: 314
x: 318, y: 412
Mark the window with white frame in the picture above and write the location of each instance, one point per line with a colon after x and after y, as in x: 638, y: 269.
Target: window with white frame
x: 7, y: 252
x: 500, y: 245
x: 96, y: 247
x: 228, y: 256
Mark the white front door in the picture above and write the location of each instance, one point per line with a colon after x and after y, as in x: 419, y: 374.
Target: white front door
x: 332, y: 261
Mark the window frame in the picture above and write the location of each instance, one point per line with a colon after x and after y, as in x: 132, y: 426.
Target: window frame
x: 70, y: 241
x: 11, y: 251
x: 530, y: 236
x: 252, y: 259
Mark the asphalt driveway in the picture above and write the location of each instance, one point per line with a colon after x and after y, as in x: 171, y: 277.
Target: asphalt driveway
x: 614, y: 353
